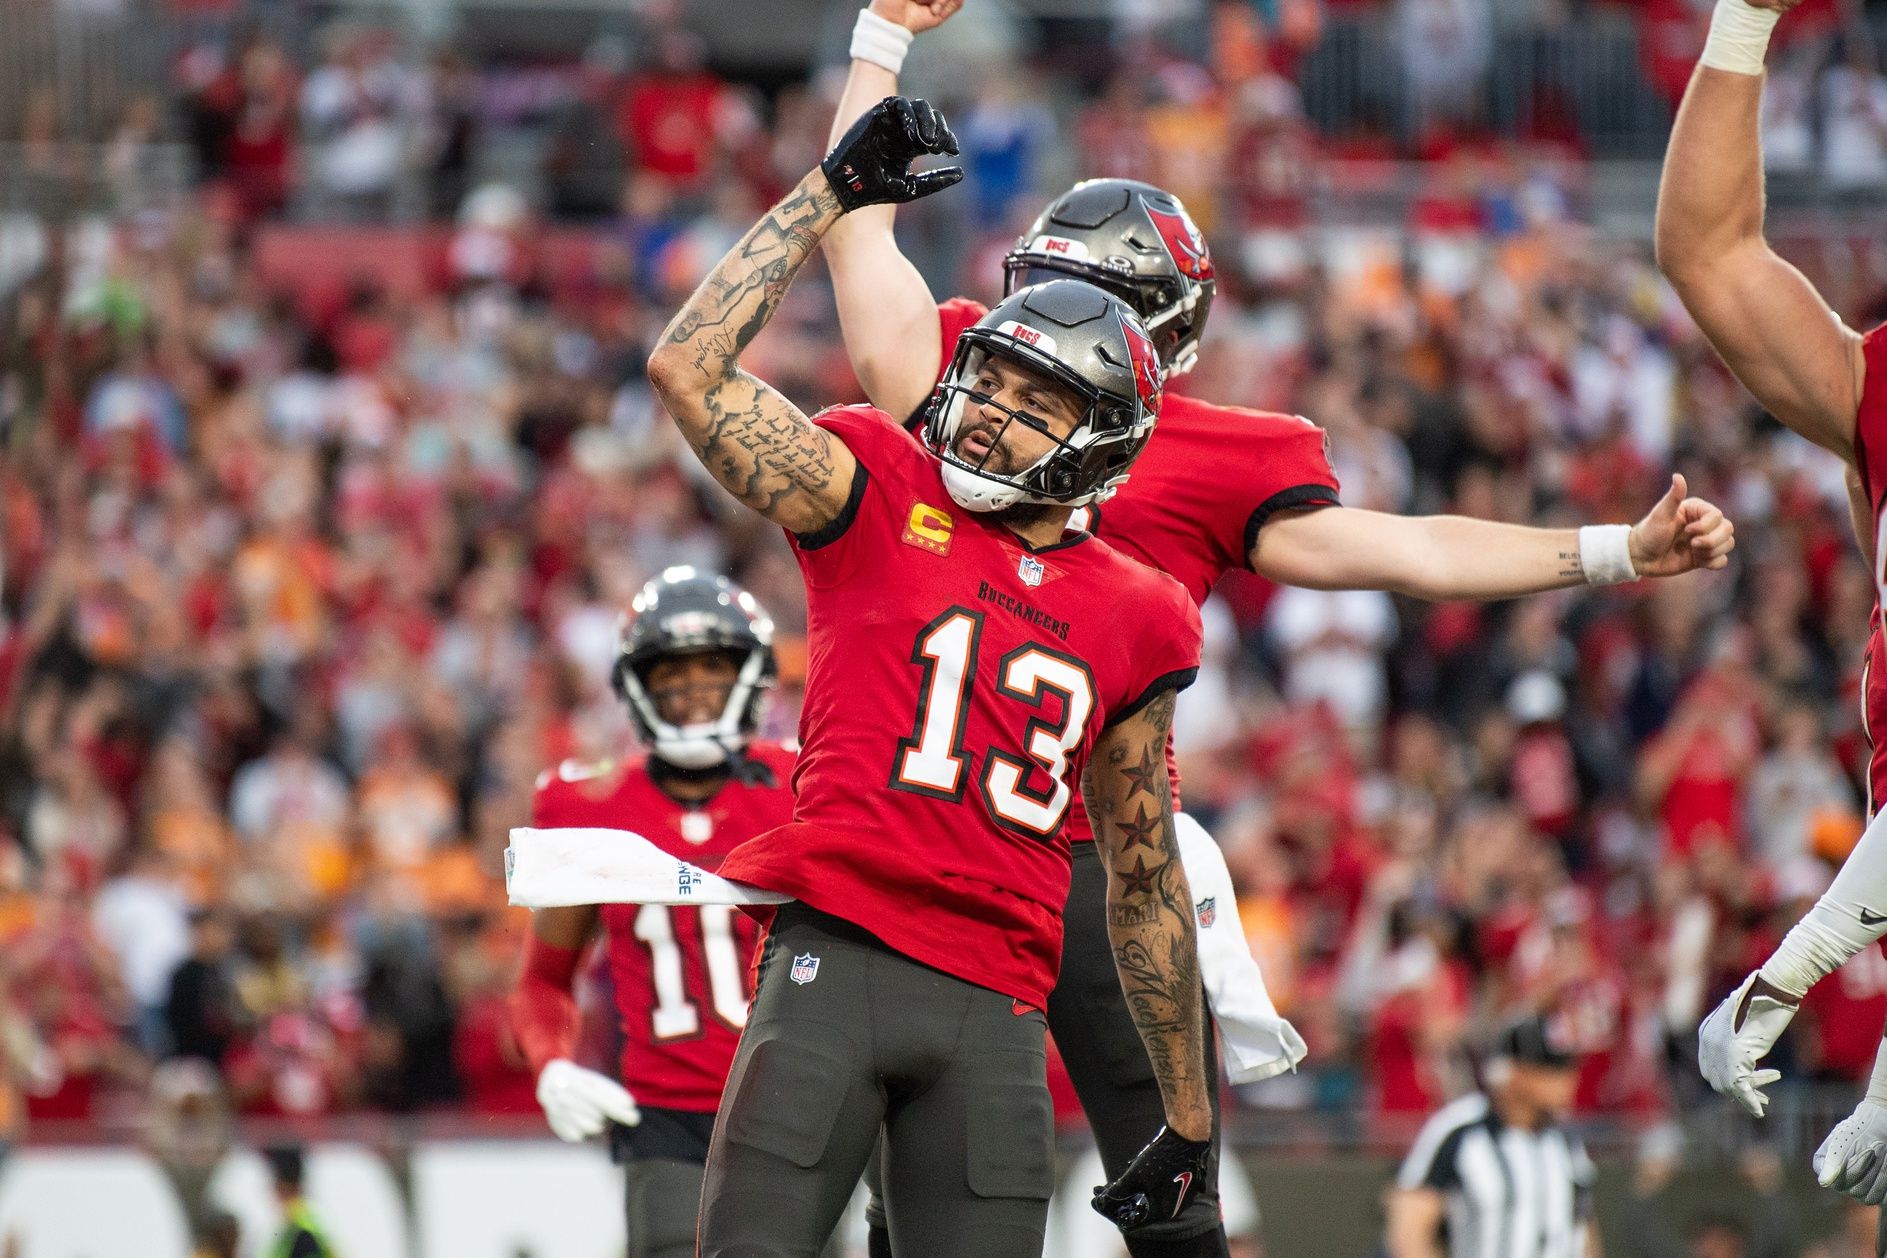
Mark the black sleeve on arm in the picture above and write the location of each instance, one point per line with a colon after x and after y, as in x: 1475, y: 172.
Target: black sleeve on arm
x: 835, y: 528
x: 1285, y: 500
x: 1444, y: 1172
x: 1178, y: 679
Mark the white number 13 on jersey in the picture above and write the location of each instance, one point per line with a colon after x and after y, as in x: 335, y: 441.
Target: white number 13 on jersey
x: 934, y: 761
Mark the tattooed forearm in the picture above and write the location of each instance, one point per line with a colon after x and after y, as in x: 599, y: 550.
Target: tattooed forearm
x: 741, y: 294
x: 1570, y: 564
x: 1150, y: 912
x: 755, y: 442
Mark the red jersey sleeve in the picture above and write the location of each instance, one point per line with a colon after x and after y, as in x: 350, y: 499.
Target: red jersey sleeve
x: 885, y: 454
x: 1170, y: 642
x: 1289, y: 468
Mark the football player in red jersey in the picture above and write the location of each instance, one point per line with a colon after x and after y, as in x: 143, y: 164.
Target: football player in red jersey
x: 1219, y: 488
x: 694, y: 664
x: 972, y: 663
x: 1829, y: 383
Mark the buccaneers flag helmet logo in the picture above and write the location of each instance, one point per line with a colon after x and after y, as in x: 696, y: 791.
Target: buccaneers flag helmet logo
x: 1149, y: 377
x: 1183, y: 242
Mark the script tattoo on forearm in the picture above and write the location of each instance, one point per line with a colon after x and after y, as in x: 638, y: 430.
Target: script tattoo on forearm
x: 1149, y: 910
x: 1570, y: 564
x: 755, y: 442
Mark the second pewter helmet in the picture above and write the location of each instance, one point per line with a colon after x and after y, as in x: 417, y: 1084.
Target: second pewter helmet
x: 1086, y: 340
x: 683, y: 612
x: 1137, y: 242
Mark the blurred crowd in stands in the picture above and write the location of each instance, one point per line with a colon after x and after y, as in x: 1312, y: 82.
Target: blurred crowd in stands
x: 314, y: 540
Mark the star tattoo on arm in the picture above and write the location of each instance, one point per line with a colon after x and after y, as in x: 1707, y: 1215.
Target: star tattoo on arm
x: 1148, y: 776
x: 1143, y: 831
x: 1139, y: 880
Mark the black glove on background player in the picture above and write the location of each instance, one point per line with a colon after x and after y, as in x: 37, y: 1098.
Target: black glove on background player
x: 872, y: 164
x: 1160, y: 1179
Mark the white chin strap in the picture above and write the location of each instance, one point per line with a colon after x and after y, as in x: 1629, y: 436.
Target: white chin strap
x: 978, y: 493
x: 971, y: 490
x: 692, y: 746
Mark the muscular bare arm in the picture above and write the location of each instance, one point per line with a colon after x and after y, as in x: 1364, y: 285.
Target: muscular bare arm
x: 1773, y: 330
x: 1415, y: 1216
x: 1455, y: 557
x: 886, y: 312
x: 1150, y: 909
x: 761, y: 447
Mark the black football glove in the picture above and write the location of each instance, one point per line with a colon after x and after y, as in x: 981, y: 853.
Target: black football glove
x: 1160, y: 1180
x: 872, y: 164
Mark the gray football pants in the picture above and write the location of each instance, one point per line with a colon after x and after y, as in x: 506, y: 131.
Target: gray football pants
x: 870, y: 1040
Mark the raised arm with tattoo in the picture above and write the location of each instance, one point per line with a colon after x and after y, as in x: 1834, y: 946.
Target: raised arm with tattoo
x: 1150, y: 924
x: 760, y: 446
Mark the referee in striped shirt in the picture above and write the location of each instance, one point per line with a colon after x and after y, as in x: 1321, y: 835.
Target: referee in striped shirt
x: 1493, y: 1175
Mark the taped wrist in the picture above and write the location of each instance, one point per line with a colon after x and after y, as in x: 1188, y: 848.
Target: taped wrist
x: 1739, y: 37
x: 543, y: 1012
x: 1605, y: 554
x: 880, y: 41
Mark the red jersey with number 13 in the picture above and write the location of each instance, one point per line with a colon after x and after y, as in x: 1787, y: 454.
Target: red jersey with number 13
x: 679, y: 973
x: 957, y: 681
x: 1199, y: 493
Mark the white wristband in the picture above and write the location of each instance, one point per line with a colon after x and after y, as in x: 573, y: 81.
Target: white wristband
x: 1605, y: 554
x: 880, y: 41
x: 1739, y: 37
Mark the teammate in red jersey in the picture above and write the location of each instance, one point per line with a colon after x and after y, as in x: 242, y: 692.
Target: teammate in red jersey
x: 1218, y: 488
x: 1829, y: 383
x: 971, y: 664
x: 694, y: 665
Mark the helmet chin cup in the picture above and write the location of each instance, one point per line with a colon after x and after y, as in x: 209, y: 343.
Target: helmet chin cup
x: 690, y: 747
x: 978, y: 493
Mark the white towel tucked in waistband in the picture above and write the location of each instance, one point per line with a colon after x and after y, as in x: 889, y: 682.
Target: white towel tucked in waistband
x: 591, y: 865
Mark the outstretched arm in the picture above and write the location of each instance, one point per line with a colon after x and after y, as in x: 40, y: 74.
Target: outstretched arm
x: 1455, y: 557
x: 1761, y: 314
x: 1150, y: 909
x: 761, y: 447
x: 886, y: 312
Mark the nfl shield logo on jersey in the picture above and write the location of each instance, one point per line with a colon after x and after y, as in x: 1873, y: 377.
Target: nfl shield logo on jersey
x: 1030, y: 570
x: 805, y: 969
x: 1209, y: 910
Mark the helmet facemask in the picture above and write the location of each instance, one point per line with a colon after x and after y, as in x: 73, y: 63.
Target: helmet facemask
x: 684, y: 612
x: 1079, y: 469
x: 699, y: 744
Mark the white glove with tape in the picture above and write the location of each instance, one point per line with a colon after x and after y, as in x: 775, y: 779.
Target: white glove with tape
x: 1738, y: 1034
x: 1853, y: 1159
x: 578, y: 1103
